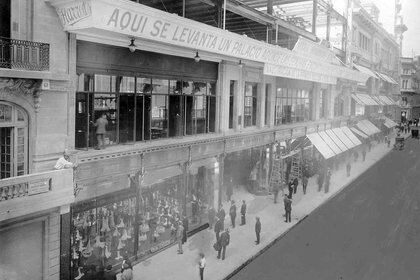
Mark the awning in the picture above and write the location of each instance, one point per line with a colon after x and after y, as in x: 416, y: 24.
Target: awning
x: 351, y: 136
x: 320, y: 145
x: 378, y: 100
x: 343, y: 137
x: 330, y: 142
x: 365, y: 70
x: 154, y: 176
x: 366, y: 130
x: 389, y: 123
x: 386, y: 78
x: 336, y: 140
x: 371, y: 126
x: 364, y: 99
x: 358, y: 132
x: 390, y: 100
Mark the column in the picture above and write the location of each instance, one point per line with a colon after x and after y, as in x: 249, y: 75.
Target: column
x: 316, y: 91
x: 332, y: 93
x: 221, y: 160
x: 222, y: 110
x: 260, y: 105
x: 347, y: 101
x: 314, y: 15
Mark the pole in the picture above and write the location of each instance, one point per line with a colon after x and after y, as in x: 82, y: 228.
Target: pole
x: 224, y: 14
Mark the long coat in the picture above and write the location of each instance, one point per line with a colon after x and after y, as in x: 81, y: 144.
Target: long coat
x: 243, y: 209
x: 218, y: 226
x: 224, y: 239
x: 221, y: 214
x: 232, y: 211
x: 258, y: 226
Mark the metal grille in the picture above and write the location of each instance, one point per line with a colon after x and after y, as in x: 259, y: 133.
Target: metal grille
x: 20, y: 54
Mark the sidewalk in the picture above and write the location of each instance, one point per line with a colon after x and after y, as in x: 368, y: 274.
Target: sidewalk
x: 169, y: 265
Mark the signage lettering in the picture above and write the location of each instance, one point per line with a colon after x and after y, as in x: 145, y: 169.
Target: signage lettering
x: 75, y: 13
x: 39, y: 186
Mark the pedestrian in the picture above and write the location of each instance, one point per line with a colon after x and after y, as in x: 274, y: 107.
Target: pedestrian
x: 327, y: 181
x: 218, y: 228
x: 364, y: 154
x: 290, y: 187
x: 211, y: 216
x: 126, y: 270
x: 232, y: 213
x: 369, y: 144
x: 387, y: 140
x: 222, y: 214
x: 100, y: 125
x: 201, y: 265
x: 223, y: 243
x: 320, y: 180
x: 243, y: 213
x: 348, y: 168
x: 288, y: 207
x: 229, y: 189
x: 304, y: 183
x: 185, y: 230
x: 356, y: 156
x: 179, y: 236
x: 275, y: 192
x: 257, y: 229
x: 64, y: 161
x: 295, y: 185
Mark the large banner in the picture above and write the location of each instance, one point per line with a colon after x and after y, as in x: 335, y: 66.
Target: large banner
x: 135, y: 20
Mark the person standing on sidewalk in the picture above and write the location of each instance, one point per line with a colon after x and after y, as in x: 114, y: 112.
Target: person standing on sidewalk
x: 179, y: 236
x: 221, y: 215
x: 218, y: 228
x: 295, y: 185
x: 211, y: 216
x: 304, y: 183
x: 232, y: 213
x: 288, y: 207
x: 223, y: 243
x: 290, y: 187
x: 185, y: 226
x: 257, y: 229
x: 320, y: 180
x: 201, y: 265
x: 364, y: 154
x: 243, y: 213
x: 348, y: 168
x: 327, y: 181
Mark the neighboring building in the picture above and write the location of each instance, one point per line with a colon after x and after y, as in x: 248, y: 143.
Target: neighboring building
x: 191, y: 109
x: 410, y: 92
x: 375, y: 52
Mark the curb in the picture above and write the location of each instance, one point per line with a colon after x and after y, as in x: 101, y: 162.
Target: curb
x: 260, y: 252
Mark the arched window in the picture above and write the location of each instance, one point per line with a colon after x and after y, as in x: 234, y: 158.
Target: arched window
x: 13, y: 140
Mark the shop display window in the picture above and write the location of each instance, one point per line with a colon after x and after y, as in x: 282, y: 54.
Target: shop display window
x: 292, y: 105
x: 250, y: 104
x: 160, y: 212
x: 102, y: 235
x: 139, y: 109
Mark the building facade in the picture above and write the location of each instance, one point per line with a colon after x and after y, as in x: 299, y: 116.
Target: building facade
x: 190, y: 108
x: 410, y: 102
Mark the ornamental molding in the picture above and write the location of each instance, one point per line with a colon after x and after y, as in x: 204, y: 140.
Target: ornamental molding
x: 29, y: 89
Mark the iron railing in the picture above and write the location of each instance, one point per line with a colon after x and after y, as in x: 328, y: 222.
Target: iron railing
x: 26, y: 55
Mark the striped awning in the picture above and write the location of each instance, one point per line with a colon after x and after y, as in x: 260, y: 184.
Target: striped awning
x: 364, y: 99
x: 365, y: 70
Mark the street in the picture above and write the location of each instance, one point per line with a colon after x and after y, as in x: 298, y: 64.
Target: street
x: 371, y: 230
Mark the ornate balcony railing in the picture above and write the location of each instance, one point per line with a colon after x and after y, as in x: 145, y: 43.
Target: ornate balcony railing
x: 24, y: 55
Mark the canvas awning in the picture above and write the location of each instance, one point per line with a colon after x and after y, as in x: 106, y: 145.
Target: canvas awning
x: 344, y: 138
x: 371, y: 126
x: 356, y: 141
x: 386, y: 78
x: 365, y: 70
x: 336, y: 140
x: 378, y: 100
x: 358, y: 132
x: 366, y: 130
x: 330, y: 142
x: 389, y: 123
x: 364, y: 99
x: 320, y: 145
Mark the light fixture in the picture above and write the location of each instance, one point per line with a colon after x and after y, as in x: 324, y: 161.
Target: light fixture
x: 132, y: 46
x: 240, y: 64
x: 197, y: 57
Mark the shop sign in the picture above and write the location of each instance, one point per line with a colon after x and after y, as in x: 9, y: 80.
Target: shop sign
x: 39, y: 186
x: 75, y: 12
x: 137, y: 20
x: 305, y: 46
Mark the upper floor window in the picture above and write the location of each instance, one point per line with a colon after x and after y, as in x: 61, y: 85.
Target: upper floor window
x: 13, y: 141
x: 292, y: 105
x: 364, y: 42
x: 250, y: 104
x: 139, y: 109
x: 405, y: 84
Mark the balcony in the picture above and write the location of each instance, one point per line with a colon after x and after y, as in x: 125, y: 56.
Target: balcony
x: 32, y: 193
x: 24, y: 55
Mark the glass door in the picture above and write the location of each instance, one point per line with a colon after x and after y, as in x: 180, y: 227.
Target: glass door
x: 6, y: 152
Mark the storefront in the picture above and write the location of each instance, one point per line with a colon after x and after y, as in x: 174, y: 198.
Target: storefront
x: 143, y: 95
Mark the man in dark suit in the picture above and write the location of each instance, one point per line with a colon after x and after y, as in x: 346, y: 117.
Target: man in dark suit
x: 288, y: 208
x: 232, y: 213
x: 304, y: 183
x: 218, y: 228
x: 223, y: 242
x: 243, y: 213
x: 221, y: 215
x: 257, y: 229
x: 295, y: 185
